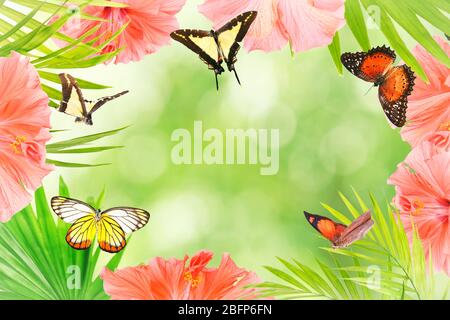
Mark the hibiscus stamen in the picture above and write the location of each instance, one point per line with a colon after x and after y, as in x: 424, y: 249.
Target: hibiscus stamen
x: 445, y: 126
x: 194, y: 281
x: 16, y: 144
x: 418, y: 205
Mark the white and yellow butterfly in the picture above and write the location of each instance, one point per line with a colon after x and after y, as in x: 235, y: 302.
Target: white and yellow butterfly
x: 110, y: 226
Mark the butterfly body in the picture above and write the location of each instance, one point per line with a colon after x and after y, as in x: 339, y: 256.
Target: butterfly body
x: 110, y: 226
x: 215, y: 47
x: 340, y: 235
x: 395, y: 83
x: 74, y: 104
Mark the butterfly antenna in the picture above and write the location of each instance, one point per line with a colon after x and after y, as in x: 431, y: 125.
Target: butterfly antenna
x: 237, y: 77
x: 365, y: 94
x: 217, y: 82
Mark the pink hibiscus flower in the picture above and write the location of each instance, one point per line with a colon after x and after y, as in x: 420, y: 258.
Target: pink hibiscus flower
x: 149, y: 28
x: 429, y: 104
x: 306, y: 24
x: 24, y: 130
x: 174, y: 279
x: 422, y: 185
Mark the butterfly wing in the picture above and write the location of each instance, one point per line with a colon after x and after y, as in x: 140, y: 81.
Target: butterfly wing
x: 369, y: 66
x: 92, y: 106
x: 129, y: 219
x: 328, y: 228
x: 73, y: 102
x: 82, y: 232
x: 70, y: 210
x: 394, y: 91
x: 110, y: 236
x: 355, y: 231
x: 232, y: 33
x: 202, y: 43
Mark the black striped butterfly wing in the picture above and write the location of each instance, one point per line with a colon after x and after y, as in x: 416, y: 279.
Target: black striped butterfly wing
x: 202, y: 43
x: 73, y: 102
x: 231, y: 34
x: 92, y: 106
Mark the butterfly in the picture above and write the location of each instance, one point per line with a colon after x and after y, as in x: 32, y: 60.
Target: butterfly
x: 395, y: 82
x: 216, y: 47
x: 74, y: 104
x: 340, y: 235
x: 110, y: 226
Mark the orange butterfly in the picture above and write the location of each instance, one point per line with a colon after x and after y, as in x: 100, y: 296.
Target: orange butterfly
x: 340, y: 235
x: 395, y: 82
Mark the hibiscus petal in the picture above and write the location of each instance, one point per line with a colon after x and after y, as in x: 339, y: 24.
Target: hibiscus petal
x: 149, y: 26
x: 127, y: 284
x: 311, y: 24
x: 428, y: 105
x: 24, y: 122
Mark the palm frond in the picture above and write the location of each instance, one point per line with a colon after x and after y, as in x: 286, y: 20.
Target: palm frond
x: 384, y: 265
x: 80, y: 145
x: 37, y: 263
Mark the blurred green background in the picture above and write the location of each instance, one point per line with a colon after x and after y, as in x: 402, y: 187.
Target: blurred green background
x: 332, y: 137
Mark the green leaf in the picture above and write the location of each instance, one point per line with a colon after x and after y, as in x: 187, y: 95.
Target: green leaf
x: 84, y: 84
x: 335, y: 51
x: 339, y: 216
x: 74, y: 165
x: 286, y: 277
x: 85, y: 150
x: 355, y: 20
x: 63, y: 189
x: 396, y: 41
x: 405, y: 15
x: 35, y: 38
x: 59, y: 146
x: 20, y: 24
x: 52, y: 92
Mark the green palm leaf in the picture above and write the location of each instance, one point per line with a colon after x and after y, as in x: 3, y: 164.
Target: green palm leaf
x: 78, y: 146
x: 37, y: 263
x: 384, y: 265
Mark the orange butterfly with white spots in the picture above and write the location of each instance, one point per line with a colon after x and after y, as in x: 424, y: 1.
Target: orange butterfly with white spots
x: 340, y: 235
x: 110, y: 226
x: 395, y: 83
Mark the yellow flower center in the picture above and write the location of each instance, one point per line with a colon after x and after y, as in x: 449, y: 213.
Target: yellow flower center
x: 16, y: 144
x: 445, y: 126
x: 194, y: 281
x: 419, y: 205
